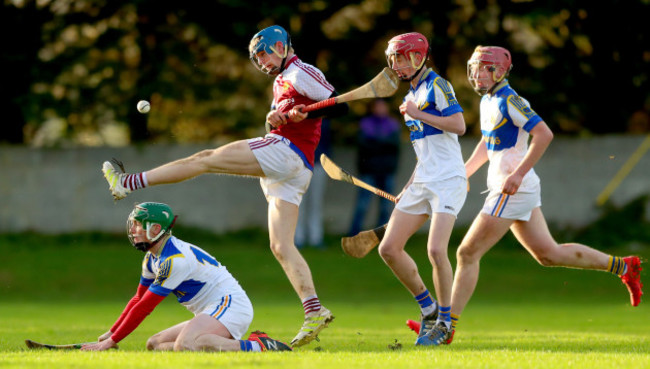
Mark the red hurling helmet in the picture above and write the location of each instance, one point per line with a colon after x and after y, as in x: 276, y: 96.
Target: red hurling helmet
x: 488, y: 66
x: 408, y: 45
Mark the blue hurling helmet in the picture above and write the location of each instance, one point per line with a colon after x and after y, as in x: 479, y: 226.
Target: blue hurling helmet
x: 265, y: 40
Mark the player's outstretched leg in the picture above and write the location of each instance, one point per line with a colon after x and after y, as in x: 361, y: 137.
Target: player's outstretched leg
x: 115, y: 176
x: 314, y: 323
x: 632, y: 279
x: 267, y: 343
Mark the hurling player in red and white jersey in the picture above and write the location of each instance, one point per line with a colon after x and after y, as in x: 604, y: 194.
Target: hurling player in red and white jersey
x: 283, y: 160
x: 299, y: 84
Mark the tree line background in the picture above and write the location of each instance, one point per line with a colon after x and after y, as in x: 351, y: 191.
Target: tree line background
x: 72, y: 71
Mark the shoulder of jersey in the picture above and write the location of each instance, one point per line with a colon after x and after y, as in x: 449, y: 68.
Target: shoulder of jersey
x: 173, y: 248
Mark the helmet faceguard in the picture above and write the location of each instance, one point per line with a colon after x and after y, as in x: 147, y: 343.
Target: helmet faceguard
x: 148, y: 214
x: 266, y: 40
x: 488, y: 66
x: 409, y: 46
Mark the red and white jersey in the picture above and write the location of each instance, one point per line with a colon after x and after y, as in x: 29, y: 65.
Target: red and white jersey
x: 298, y: 84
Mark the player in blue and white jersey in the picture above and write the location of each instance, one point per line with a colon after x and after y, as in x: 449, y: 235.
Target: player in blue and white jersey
x: 222, y: 310
x: 514, y: 199
x: 437, y: 188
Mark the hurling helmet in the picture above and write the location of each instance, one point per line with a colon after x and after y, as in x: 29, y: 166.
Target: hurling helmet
x: 493, y: 59
x: 409, y: 45
x: 265, y: 40
x: 148, y: 214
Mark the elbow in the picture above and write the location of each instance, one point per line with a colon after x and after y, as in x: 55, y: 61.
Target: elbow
x: 547, y: 137
x: 545, y: 132
x: 461, y: 127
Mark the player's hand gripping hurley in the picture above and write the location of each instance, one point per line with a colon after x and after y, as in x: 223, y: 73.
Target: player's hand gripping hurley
x: 37, y: 345
x: 384, y: 84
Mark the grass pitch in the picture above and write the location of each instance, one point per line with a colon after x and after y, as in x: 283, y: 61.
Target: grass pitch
x: 69, y: 289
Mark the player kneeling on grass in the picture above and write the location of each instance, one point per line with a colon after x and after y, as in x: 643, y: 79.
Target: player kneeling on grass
x: 204, y: 286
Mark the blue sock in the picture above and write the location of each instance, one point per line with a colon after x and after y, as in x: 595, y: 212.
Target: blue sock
x: 444, y: 315
x: 246, y: 345
x: 427, y: 305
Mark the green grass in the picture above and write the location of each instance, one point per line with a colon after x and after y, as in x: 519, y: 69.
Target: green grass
x: 65, y: 289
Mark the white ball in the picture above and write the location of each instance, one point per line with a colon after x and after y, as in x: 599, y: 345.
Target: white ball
x: 143, y: 106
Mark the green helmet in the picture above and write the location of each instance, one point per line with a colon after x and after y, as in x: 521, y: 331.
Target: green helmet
x: 148, y: 214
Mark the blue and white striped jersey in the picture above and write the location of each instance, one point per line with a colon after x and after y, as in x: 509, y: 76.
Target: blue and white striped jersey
x: 438, y: 152
x: 191, y: 274
x: 506, y: 119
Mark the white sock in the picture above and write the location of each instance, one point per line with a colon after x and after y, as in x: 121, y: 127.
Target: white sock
x: 429, y: 309
x: 145, y: 183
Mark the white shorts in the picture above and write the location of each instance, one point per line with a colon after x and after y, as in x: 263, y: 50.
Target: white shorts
x: 446, y: 196
x: 286, y: 176
x: 234, y: 311
x: 518, y: 206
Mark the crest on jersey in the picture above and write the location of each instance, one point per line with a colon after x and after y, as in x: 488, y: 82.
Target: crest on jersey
x: 521, y: 106
x: 447, y: 90
x: 164, y: 272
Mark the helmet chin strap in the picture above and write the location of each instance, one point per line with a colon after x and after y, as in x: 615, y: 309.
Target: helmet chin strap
x: 499, y: 80
x: 284, y: 62
x: 284, y: 57
x: 146, y: 246
x: 491, y: 90
x: 417, y: 72
x: 143, y: 246
x: 411, y: 78
x: 287, y: 46
x: 277, y: 70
